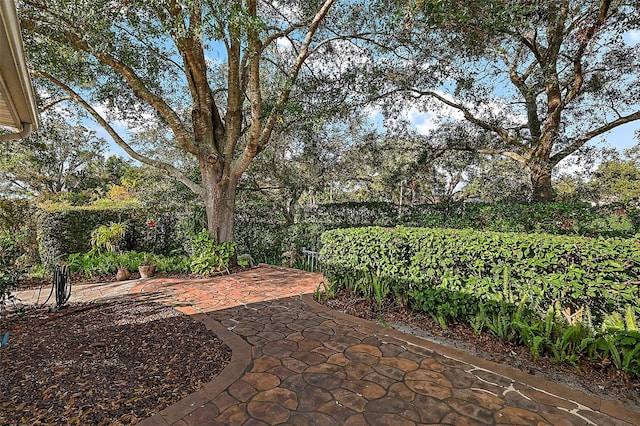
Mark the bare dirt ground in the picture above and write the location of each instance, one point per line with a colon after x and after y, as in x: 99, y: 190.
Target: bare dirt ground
x: 603, y: 381
x: 111, y: 363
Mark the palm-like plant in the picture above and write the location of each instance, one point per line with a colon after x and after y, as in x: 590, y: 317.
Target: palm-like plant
x: 108, y: 237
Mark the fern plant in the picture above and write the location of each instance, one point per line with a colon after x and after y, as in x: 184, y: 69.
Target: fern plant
x: 380, y: 289
x: 479, y: 322
x: 499, y: 324
x: 566, y: 346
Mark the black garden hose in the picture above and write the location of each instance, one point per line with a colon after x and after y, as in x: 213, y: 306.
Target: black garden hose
x: 61, y: 287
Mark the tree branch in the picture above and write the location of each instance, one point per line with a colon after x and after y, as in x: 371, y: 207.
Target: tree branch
x: 514, y: 156
x: 273, y: 37
x: 150, y: 47
x: 579, y: 142
x: 584, y: 42
x: 53, y: 103
x: 503, y: 133
x: 138, y: 86
x: 256, y: 144
x: 197, y: 189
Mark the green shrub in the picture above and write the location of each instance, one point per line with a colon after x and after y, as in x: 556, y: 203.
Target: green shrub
x: 266, y: 240
x: 209, y: 257
x: 65, y: 231
x: 93, y: 264
x: 108, y: 237
x: 9, y: 273
x: 433, y: 267
x: 18, y: 225
x: 622, y: 348
x: 542, y: 291
x: 349, y: 214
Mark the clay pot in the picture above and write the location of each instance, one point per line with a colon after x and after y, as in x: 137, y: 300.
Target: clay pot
x: 147, y: 271
x: 123, y: 274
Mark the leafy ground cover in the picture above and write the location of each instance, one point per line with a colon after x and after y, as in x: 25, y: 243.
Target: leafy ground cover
x: 103, y: 363
x: 602, y: 380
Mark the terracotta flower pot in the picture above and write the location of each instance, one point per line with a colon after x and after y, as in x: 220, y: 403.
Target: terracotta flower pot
x: 147, y: 271
x: 123, y: 274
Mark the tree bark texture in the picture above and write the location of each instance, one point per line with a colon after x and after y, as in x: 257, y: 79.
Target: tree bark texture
x: 542, y: 189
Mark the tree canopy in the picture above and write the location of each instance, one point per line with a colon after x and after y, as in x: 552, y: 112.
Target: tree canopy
x: 199, y: 89
x: 58, y: 158
x: 537, y: 79
x: 193, y: 68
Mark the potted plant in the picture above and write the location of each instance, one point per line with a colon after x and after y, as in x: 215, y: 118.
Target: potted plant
x: 147, y: 268
x: 123, y: 273
x: 109, y: 237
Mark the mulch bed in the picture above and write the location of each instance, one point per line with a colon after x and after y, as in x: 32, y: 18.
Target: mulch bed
x: 603, y: 381
x: 111, y: 363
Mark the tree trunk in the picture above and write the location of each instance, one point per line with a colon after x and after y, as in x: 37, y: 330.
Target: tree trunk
x: 219, y: 198
x: 541, y: 183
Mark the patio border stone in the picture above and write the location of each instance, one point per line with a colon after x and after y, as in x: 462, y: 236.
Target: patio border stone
x: 240, y: 363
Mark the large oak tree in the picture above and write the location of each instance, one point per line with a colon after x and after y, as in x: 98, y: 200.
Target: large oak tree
x: 538, y: 79
x: 192, y: 67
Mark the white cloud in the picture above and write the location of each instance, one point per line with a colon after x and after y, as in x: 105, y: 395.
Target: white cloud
x: 632, y: 37
x: 284, y: 43
x: 427, y: 114
x: 424, y: 117
x: 423, y: 122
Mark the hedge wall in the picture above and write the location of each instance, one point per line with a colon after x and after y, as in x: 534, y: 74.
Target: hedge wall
x: 62, y: 232
x: 427, y: 267
x: 257, y: 231
x: 614, y: 220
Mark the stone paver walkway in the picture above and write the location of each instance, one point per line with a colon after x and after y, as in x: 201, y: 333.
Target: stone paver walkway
x: 300, y: 363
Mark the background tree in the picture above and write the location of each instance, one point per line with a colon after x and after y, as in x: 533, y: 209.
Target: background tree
x: 617, y: 178
x: 498, y: 180
x: 144, y: 61
x: 538, y: 79
x: 297, y: 162
x: 58, y: 158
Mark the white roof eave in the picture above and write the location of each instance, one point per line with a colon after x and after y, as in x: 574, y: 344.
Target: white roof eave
x: 18, y: 109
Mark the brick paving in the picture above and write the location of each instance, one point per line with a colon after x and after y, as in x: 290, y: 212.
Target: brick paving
x: 296, y: 362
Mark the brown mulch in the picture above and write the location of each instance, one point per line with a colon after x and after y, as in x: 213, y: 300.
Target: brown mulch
x: 603, y: 381
x: 112, y: 363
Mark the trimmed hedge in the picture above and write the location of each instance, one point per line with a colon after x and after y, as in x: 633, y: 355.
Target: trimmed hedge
x: 62, y: 232
x: 266, y: 239
x: 575, y: 218
x: 257, y: 233
x: 560, y: 218
x: 437, y: 270
x: 349, y: 214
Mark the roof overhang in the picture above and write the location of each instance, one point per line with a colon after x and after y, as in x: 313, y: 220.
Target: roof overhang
x: 18, y: 109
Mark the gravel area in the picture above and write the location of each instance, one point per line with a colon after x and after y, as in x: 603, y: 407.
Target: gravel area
x: 112, y: 363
